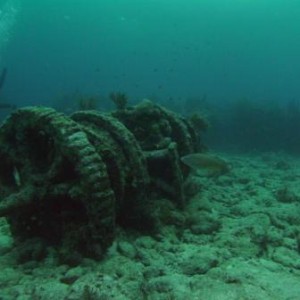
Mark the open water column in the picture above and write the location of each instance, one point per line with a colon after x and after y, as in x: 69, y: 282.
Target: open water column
x: 9, y: 10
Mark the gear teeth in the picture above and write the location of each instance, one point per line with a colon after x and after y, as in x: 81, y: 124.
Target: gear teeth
x: 71, y: 146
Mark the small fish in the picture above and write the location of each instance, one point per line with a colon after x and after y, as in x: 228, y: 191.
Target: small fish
x: 206, y: 164
x: 17, y: 176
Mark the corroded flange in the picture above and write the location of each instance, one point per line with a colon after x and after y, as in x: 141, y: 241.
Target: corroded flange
x: 54, y: 185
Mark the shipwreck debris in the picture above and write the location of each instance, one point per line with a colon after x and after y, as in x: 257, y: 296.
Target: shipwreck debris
x: 70, y: 180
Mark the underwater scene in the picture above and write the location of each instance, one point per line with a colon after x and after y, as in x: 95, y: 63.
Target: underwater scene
x: 149, y: 150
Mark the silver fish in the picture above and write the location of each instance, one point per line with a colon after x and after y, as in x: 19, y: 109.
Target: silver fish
x: 207, y: 164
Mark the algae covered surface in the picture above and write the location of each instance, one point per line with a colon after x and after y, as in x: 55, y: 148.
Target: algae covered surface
x: 237, y: 238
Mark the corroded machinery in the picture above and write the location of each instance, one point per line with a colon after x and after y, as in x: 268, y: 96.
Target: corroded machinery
x: 68, y: 180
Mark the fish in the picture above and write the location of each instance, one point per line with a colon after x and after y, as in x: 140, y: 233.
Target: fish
x: 206, y: 164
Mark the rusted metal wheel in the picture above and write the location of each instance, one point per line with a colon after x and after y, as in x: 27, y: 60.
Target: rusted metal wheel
x: 54, y: 185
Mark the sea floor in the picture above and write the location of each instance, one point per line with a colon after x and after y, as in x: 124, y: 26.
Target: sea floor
x: 238, y: 238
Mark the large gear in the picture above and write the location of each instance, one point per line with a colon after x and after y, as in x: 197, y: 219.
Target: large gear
x: 54, y: 184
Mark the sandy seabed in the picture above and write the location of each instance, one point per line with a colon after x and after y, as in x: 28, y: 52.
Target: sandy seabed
x: 238, y: 238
